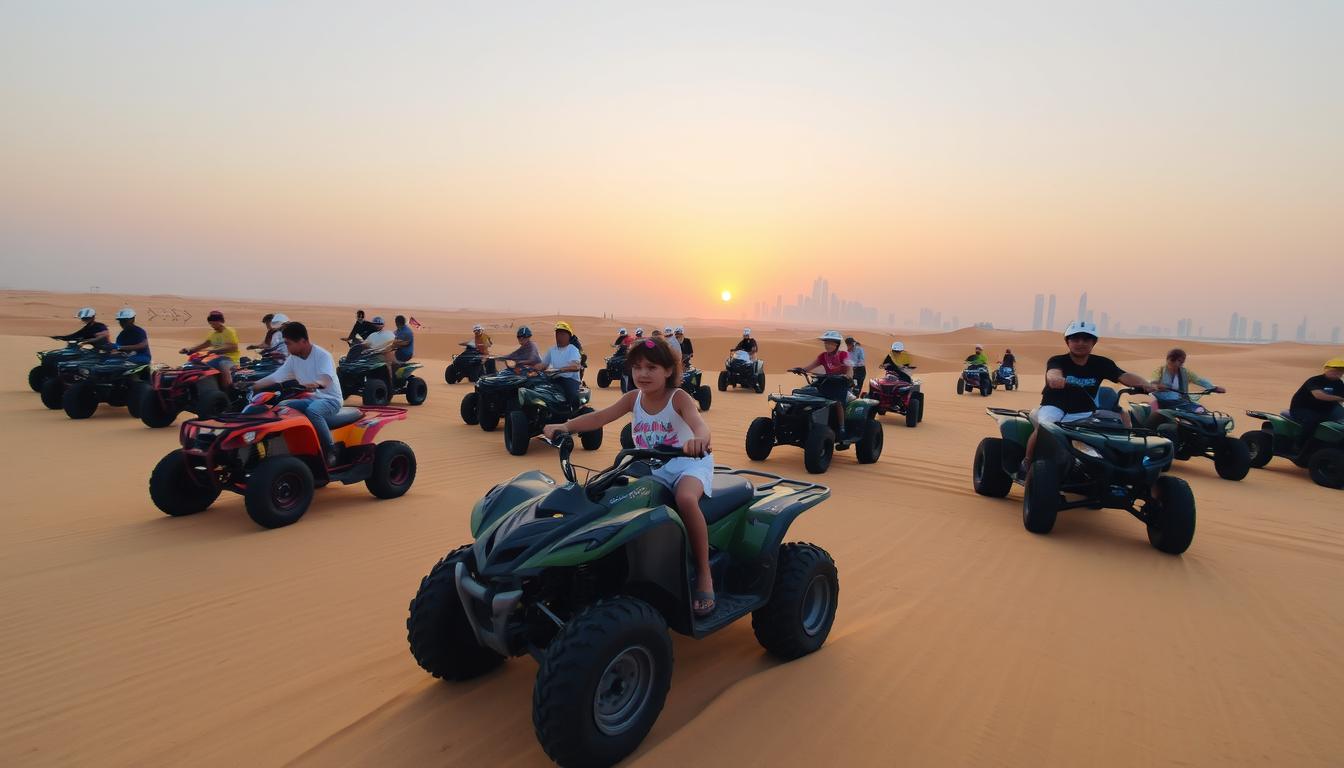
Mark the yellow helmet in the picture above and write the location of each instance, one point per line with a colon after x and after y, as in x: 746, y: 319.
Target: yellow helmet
x: 1337, y: 362
x: 563, y: 326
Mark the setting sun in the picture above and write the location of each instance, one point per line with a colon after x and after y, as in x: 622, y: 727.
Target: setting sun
x: 726, y: 295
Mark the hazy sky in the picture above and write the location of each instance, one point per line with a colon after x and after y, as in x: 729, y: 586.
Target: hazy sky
x: 1173, y: 159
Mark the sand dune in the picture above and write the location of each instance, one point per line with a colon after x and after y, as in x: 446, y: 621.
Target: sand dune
x: 131, y: 638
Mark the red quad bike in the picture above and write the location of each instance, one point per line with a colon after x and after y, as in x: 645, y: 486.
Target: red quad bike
x: 896, y: 395
x: 195, y: 387
x: 270, y: 455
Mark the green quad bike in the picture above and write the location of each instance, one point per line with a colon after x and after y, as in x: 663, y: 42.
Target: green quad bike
x: 368, y: 374
x: 1196, y: 431
x: 807, y: 419
x: 1323, y: 455
x: 1098, y: 463
x: 540, y: 402
x: 110, y: 378
x: 589, y: 577
x: 47, y: 361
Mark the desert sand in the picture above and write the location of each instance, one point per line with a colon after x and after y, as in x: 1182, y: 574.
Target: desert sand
x: 131, y: 638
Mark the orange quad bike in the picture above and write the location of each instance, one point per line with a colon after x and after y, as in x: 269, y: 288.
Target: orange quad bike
x: 270, y: 455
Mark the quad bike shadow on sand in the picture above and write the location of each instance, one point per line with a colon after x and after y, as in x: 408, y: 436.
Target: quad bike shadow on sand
x: 589, y: 576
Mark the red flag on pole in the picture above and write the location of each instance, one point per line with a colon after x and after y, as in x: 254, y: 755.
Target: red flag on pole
x: 415, y: 323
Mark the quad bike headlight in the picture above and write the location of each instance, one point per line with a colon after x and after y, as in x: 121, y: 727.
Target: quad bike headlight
x: 1085, y: 449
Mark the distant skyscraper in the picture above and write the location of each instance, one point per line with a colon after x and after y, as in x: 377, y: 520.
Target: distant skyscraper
x: 1050, y: 314
x: 1302, y: 330
x: 1105, y: 326
x: 1241, y: 327
x: 1274, y: 332
x: 1255, y: 331
x: 1038, y: 314
x: 1082, y: 306
x: 1232, y: 326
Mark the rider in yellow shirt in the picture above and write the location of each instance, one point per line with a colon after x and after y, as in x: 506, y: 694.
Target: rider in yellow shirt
x: 223, y: 341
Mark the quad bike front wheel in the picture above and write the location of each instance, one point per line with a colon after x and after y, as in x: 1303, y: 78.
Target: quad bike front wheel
x: 818, y: 449
x: 760, y: 438
x: 154, y: 413
x: 1040, y: 501
x: 987, y: 474
x: 393, y: 470
x: 603, y: 378
x: 1260, y: 445
x: 801, y: 610
x: 470, y: 409
x: 723, y: 381
x: 913, y: 409
x: 869, y: 448
x: 135, y: 397
x: 80, y: 400
x: 602, y: 682
x: 278, y: 491
x: 1171, y: 518
x: 961, y: 386
x: 376, y: 392
x: 417, y: 389
x: 1231, y: 459
x: 53, y: 392
x: 704, y: 396
x: 173, y: 490
x: 591, y: 440
x: 438, y: 630
x: 517, y: 433
x: 36, y: 377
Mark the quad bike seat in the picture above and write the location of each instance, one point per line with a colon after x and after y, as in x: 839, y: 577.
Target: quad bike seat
x: 730, y: 493
x: 1289, y: 417
x: 345, y: 417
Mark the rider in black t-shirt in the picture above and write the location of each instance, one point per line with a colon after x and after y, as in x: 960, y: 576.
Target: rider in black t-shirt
x: 1320, y: 398
x: 93, y: 332
x: 747, y: 344
x: 1061, y: 402
x: 361, y: 328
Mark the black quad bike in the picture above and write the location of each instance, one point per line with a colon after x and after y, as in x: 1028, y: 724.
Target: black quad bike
x: 540, y: 402
x: 807, y: 419
x: 492, y: 397
x: 748, y: 374
x: 468, y: 364
x: 1279, y: 434
x: 1005, y: 376
x: 368, y: 374
x: 614, y: 370
x: 83, y: 383
x: 1096, y: 463
x: 588, y: 577
x: 1196, y: 431
x: 47, y: 361
x: 975, y: 378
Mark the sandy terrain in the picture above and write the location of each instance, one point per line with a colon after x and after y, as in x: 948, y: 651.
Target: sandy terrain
x: 130, y: 638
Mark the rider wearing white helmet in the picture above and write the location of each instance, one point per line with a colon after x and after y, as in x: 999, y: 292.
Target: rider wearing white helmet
x: 897, y: 360
x: 622, y: 338
x: 1072, y: 381
x: 833, y: 360
x: 93, y: 332
x: 687, y: 349
x: 132, y: 340
x: 747, y: 344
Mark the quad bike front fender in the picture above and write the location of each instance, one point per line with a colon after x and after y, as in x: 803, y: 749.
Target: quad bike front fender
x: 504, y: 498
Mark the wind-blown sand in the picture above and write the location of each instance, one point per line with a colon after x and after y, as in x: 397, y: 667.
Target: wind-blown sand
x: 131, y: 638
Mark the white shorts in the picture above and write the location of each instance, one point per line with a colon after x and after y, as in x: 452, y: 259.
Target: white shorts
x: 701, y: 469
x: 1050, y: 414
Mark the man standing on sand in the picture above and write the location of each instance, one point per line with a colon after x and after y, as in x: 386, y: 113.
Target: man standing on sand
x: 858, y: 359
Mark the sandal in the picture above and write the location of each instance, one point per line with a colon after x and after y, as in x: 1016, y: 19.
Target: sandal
x: 703, y: 598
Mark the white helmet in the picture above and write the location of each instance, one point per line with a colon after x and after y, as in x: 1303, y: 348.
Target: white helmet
x: 85, y: 313
x: 279, y: 319
x: 1083, y: 327
x: 897, y: 346
x: 477, y: 328
x: 978, y: 346
x: 621, y: 331
x: 832, y: 336
x: 667, y: 330
x: 679, y: 330
x: 639, y: 331
x: 126, y: 313
x: 746, y: 331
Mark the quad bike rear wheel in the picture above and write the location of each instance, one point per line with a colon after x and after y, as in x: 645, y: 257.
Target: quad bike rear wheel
x: 961, y: 386
x: 517, y: 434
x: 393, y: 470
x: 80, y: 400
x: 36, y: 377
x: 438, y: 630
x: 760, y: 382
x: 704, y: 396
x: 469, y: 408
x: 603, y: 378
x: 987, y: 474
x: 1260, y: 445
x: 211, y: 402
x: 417, y: 389
x: 913, y: 407
x: 376, y: 392
x: 1171, y: 518
x: 602, y: 682
x: 173, y: 490
x: 1326, y: 467
x: 723, y: 381
x: 818, y: 449
x: 135, y: 397
x: 153, y: 412
x: 801, y: 610
x: 627, y: 437
x: 279, y: 491
x: 591, y: 440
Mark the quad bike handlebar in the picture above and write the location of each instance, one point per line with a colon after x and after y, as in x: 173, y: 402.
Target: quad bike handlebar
x: 598, y: 484
x: 813, y: 378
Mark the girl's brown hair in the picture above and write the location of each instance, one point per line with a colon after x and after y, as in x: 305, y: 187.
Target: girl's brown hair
x: 656, y: 352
